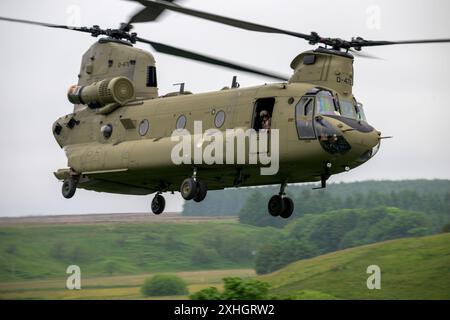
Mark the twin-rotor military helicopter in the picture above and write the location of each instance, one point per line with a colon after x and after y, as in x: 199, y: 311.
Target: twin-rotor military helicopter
x: 118, y: 138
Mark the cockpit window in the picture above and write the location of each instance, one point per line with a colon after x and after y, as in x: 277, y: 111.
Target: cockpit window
x: 325, y: 103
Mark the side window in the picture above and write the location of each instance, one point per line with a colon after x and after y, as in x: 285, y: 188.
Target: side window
x: 304, y: 118
x: 219, y: 119
x: 143, y: 127
x: 181, y: 122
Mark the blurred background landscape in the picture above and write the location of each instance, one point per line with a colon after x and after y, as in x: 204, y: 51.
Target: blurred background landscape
x: 322, y: 251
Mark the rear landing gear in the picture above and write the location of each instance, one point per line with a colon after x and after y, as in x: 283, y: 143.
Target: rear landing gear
x: 280, y: 205
x: 69, y: 187
x: 158, y: 204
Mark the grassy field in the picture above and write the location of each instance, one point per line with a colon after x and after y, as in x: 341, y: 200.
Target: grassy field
x: 41, y: 252
x: 114, y: 287
x: 411, y: 268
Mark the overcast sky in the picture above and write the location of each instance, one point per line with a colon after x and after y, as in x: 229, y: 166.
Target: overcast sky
x: 405, y: 95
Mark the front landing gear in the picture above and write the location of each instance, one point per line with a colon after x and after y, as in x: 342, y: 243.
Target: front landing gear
x: 193, y: 188
x: 69, y: 187
x: 202, y: 190
x: 280, y: 205
x: 188, y: 189
x: 158, y: 204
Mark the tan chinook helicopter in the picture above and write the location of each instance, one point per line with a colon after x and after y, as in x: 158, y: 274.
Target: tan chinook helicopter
x: 118, y: 138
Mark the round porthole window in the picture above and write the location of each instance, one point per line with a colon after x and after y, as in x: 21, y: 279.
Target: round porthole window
x: 143, y: 127
x: 181, y: 122
x: 106, y: 130
x: 219, y: 119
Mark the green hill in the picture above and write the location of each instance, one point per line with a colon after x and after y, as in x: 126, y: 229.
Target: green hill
x: 411, y: 268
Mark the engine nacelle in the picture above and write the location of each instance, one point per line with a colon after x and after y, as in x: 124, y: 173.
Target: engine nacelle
x: 119, y: 90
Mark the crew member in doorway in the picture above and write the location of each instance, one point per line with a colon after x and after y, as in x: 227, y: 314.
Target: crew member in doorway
x: 265, y: 120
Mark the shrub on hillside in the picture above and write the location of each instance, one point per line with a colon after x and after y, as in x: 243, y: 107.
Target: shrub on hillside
x: 164, y: 285
x: 247, y: 289
x: 235, y: 288
x: 210, y: 293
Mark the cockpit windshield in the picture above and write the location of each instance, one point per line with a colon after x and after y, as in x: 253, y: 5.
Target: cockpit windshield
x: 348, y: 109
x: 326, y: 104
x: 352, y: 109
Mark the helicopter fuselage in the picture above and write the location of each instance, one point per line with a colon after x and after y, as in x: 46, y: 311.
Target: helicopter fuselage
x: 130, y: 161
x: 122, y: 135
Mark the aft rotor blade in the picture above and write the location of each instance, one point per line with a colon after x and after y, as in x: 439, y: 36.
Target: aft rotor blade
x: 160, y: 4
x: 37, y: 23
x: 148, y: 13
x: 174, y: 51
x: 95, y: 31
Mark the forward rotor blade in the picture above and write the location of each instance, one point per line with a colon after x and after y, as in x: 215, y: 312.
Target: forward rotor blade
x: 364, y: 55
x: 373, y: 43
x: 161, y: 5
x: 313, y: 38
x: 163, y: 48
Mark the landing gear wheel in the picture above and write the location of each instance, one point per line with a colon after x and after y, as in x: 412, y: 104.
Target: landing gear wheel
x: 188, y: 189
x: 69, y: 187
x: 158, y: 204
x: 276, y: 205
x: 288, y: 208
x: 202, y: 189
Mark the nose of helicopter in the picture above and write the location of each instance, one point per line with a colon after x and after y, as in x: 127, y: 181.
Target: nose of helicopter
x: 364, y: 145
x: 362, y: 139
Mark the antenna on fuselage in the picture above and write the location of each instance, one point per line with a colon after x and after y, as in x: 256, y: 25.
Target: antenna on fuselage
x: 234, y: 83
x: 181, y: 84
